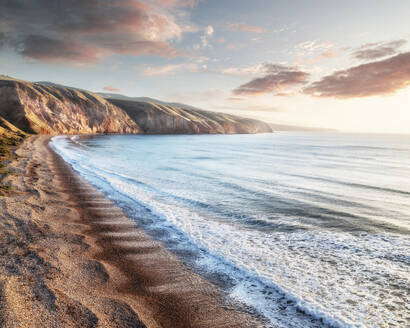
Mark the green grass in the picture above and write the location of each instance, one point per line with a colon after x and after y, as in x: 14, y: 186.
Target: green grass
x: 9, y: 140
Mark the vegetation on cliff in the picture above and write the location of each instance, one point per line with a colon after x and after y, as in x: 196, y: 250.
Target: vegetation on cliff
x: 53, y: 109
x: 164, y: 119
x: 41, y: 108
x: 10, y: 138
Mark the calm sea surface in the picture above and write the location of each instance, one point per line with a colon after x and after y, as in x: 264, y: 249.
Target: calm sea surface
x: 305, y: 229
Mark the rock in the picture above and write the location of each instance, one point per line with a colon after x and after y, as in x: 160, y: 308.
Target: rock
x: 37, y: 108
x: 48, y: 108
x: 164, y: 119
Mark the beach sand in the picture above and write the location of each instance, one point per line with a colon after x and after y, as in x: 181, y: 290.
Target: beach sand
x: 70, y: 258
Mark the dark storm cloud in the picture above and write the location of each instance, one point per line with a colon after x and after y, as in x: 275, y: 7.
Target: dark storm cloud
x: 84, y: 31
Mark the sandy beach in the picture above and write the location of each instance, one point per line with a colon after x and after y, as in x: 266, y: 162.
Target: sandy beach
x: 70, y: 258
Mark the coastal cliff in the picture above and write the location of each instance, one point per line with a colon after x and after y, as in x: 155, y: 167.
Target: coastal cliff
x: 163, y: 119
x: 39, y: 108
x: 47, y: 108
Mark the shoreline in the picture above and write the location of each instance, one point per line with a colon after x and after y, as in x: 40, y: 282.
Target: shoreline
x: 72, y: 258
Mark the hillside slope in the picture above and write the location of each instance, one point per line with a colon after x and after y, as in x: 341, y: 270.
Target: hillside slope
x: 38, y: 108
x: 10, y: 137
x: 9, y: 134
x: 117, y: 96
x: 50, y: 108
x: 163, y: 119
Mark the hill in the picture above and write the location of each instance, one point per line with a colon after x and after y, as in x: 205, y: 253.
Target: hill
x: 40, y: 108
x: 49, y: 108
x: 155, y: 118
x: 117, y: 96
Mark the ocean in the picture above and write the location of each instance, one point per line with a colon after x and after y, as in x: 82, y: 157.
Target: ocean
x: 302, y: 229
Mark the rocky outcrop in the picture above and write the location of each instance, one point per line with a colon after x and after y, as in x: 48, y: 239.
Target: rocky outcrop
x: 38, y: 108
x: 53, y: 109
x: 163, y: 119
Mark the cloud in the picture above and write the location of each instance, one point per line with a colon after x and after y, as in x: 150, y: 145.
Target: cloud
x: 177, y: 3
x: 208, y: 34
x: 160, y: 70
x: 328, y: 54
x: 372, y: 51
x: 50, y: 49
x: 346, y: 48
x: 172, y: 69
x: 371, y: 79
x: 209, y: 31
x: 280, y: 30
x: 246, y: 28
x: 111, y: 88
x: 359, y: 35
x: 80, y: 31
x: 312, y: 46
x: 277, y: 78
x: 243, y: 71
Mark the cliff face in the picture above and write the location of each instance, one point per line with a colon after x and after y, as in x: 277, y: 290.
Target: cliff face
x: 163, y: 119
x: 38, y: 108
x: 52, y: 109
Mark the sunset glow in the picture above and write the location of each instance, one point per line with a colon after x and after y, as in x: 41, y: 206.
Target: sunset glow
x: 342, y: 65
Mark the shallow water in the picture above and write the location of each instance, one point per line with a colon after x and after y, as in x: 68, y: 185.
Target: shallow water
x: 307, y: 229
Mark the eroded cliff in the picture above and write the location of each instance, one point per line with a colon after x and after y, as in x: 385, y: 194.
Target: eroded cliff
x: 52, y: 109
x: 38, y: 108
x: 157, y: 119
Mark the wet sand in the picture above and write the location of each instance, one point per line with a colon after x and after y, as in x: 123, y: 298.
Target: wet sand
x: 70, y: 258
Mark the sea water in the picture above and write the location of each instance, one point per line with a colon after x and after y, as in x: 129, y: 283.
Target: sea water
x: 304, y: 229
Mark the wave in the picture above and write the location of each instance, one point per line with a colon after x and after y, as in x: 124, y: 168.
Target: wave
x: 297, y: 276
x: 353, y: 184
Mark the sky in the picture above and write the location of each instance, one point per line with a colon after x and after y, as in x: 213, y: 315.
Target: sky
x: 319, y: 63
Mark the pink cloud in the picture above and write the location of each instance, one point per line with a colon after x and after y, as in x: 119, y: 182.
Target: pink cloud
x: 246, y: 28
x: 372, y: 79
x: 111, y: 88
x: 372, y: 51
x: 328, y: 54
x: 177, y: 3
x: 86, y: 31
x: 277, y: 78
